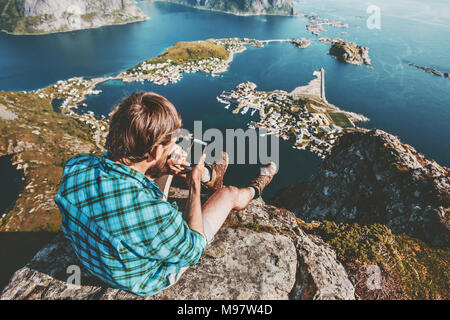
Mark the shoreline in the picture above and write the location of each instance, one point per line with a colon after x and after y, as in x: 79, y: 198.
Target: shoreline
x: 74, y: 30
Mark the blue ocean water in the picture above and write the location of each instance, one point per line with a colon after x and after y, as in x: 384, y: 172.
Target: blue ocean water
x: 396, y: 97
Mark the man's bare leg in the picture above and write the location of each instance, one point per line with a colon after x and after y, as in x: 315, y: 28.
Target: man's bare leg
x: 218, y: 207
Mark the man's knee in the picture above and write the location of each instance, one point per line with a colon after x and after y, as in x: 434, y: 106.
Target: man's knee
x: 235, y: 196
x: 230, y: 192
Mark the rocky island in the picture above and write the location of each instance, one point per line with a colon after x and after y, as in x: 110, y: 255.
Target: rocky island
x: 348, y: 52
x: 316, y: 24
x: 241, y: 7
x: 50, y: 16
x: 431, y: 70
x: 301, y: 43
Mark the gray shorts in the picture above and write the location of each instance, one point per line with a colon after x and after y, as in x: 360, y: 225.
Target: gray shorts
x: 209, y: 234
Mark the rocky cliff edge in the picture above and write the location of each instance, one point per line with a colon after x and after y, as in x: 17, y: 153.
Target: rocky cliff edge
x: 260, y: 253
x: 372, y: 177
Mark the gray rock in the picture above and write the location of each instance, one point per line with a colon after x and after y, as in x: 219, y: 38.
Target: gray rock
x: 371, y: 177
x: 6, y: 114
x: 254, y: 256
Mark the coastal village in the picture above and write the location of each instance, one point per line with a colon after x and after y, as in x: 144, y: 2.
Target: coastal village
x: 71, y: 93
x: 303, y: 117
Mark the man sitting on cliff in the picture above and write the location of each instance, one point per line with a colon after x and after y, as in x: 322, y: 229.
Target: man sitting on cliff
x: 116, y: 215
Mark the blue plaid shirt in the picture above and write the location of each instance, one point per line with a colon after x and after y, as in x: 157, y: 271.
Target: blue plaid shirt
x: 121, y: 228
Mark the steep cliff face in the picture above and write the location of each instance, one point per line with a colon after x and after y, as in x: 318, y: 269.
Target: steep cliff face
x: 371, y: 177
x: 46, y: 16
x: 260, y: 253
x: 243, y: 7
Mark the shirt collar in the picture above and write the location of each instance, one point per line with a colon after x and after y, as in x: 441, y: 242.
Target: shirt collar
x: 112, y: 167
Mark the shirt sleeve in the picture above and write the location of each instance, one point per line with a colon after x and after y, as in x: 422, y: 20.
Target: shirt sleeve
x: 172, y: 240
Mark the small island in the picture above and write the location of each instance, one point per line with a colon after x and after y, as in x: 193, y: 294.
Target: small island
x: 348, y: 52
x: 316, y: 24
x: 211, y: 56
x: 429, y: 70
x: 52, y: 16
x: 301, y: 43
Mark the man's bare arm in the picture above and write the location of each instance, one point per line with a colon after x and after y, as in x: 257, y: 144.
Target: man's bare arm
x: 194, y: 208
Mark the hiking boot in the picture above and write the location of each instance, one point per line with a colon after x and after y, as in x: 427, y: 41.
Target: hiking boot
x: 217, y: 171
x: 260, y: 182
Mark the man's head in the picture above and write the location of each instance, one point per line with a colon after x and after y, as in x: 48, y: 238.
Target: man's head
x: 142, y: 131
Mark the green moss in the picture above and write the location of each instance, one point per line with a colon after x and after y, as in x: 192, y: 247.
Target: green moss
x: 419, y: 271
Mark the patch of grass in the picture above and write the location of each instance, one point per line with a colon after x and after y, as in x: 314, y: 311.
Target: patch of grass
x: 340, y: 119
x: 418, y: 271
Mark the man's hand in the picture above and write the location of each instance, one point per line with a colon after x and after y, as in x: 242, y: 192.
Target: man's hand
x: 177, y: 168
x: 177, y: 162
x: 195, y: 178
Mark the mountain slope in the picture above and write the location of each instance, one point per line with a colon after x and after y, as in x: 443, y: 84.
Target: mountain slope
x: 48, y: 16
x: 243, y: 7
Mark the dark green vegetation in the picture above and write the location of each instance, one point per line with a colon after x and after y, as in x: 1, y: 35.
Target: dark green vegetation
x: 410, y: 269
x: 39, y: 141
